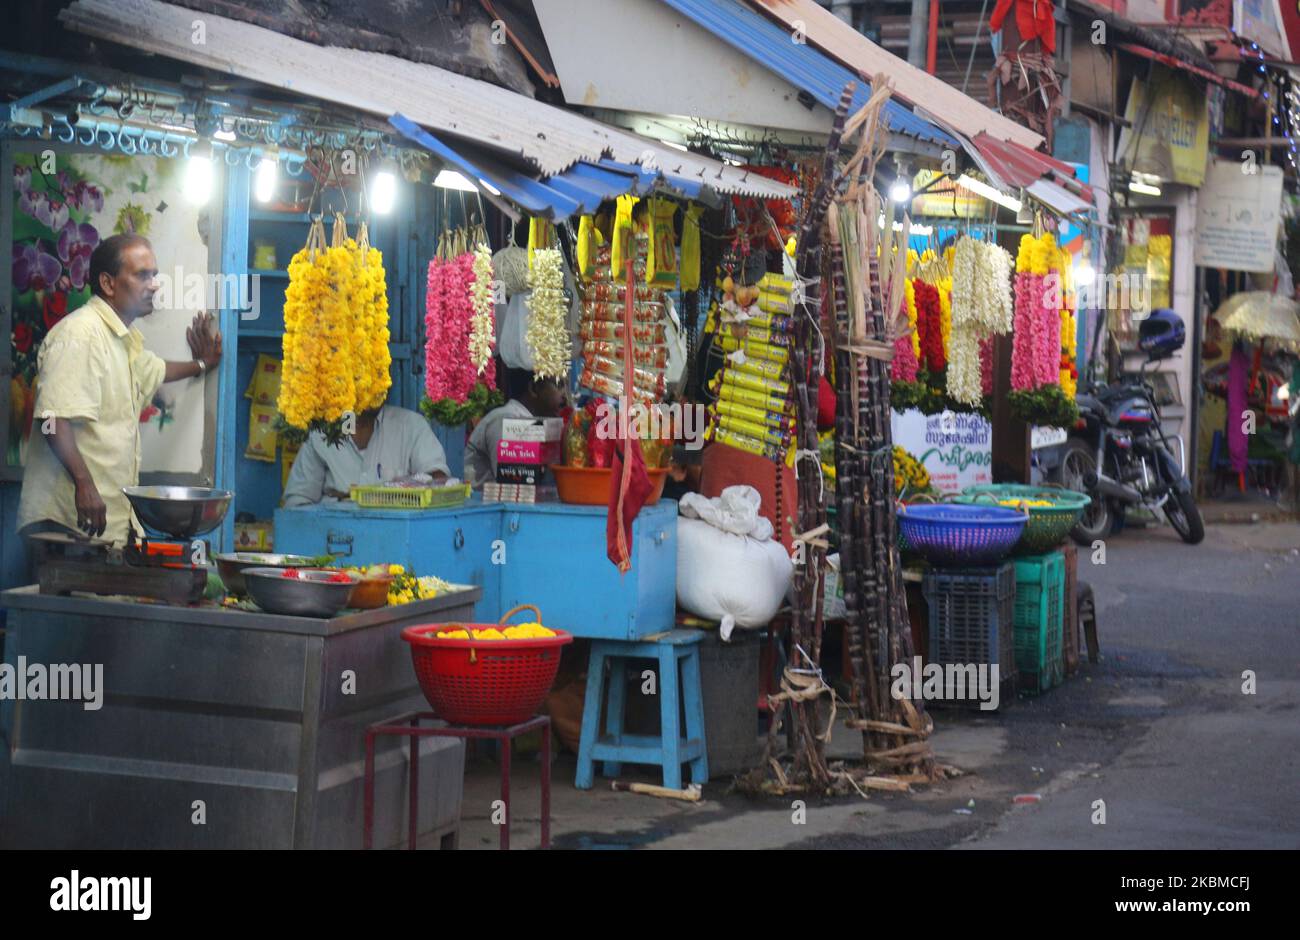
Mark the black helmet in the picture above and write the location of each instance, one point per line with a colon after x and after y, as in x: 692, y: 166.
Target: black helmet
x: 1161, y: 334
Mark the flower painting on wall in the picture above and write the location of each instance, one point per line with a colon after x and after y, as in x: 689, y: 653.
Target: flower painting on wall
x: 59, y: 218
x: 55, y: 229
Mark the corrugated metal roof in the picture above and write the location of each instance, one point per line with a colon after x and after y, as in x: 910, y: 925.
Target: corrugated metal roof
x: 579, y: 190
x: 1015, y: 167
x: 550, y: 138
x: 798, y: 63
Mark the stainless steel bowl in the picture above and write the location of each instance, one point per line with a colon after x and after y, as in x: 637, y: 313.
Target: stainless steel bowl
x: 232, y: 565
x: 308, y: 595
x: 179, y: 511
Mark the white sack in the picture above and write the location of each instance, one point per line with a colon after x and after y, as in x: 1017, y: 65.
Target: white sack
x: 723, y: 572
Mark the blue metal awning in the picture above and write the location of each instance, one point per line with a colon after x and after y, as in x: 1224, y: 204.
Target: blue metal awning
x: 579, y: 190
x: 799, y: 63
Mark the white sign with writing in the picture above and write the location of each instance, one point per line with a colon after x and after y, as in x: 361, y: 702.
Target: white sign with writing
x: 1237, y: 216
x: 956, y: 449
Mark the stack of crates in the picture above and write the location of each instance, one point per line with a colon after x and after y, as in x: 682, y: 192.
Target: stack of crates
x: 1070, y: 628
x: 971, y: 613
x: 1039, y: 619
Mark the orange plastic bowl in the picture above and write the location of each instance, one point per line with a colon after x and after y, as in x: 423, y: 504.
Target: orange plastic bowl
x: 589, y: 486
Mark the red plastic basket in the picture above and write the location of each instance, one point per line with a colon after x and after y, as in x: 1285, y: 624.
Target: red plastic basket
x: 484, y: 682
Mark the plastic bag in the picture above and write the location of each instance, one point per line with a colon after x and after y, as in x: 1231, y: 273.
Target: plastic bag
x: 735, y: 510
x: 600, y: 444
x: 512, y: 325
x: 576, y: 453
x: 690, y: 274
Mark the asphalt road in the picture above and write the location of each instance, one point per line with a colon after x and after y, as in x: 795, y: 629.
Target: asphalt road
x: 1184, y: 759
x: 1159, y: 730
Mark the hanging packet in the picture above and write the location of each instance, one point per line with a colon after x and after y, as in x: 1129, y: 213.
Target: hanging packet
x: 540, y: 235
x: 262, y: 436
x: 690, y: 275
x: 661, y: 265
x: 586, y: 246
x: 621, y: 236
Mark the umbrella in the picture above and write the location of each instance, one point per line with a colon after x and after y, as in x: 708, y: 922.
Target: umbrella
x: 1255, y: 316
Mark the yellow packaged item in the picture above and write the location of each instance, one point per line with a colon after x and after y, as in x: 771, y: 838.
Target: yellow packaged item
x: 735, y: 409
x: 757, y: 383
x: 764, y: 368
x: 262, y: 436
x: 774, y: 437
x: 752, y: 348
x: 661, y: 264
x: 264, y: 389
x: 541, y: 235
x: 690, y: 273
x: 620, y: 238
x: 765, y: 400
x: 586, y: 246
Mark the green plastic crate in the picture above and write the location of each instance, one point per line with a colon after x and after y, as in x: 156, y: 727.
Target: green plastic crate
x: 1038, y: 621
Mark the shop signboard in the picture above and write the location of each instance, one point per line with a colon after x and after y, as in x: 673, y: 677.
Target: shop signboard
x: 956, y: 449
x: 1173, y: 130
x: 1237, y: 217
x: 1258, y: 20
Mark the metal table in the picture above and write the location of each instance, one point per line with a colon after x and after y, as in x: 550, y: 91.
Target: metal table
x: 218, y: 728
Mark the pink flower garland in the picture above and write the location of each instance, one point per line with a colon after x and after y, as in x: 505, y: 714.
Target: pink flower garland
x: 1025, y: 341
x: 1047, y: 356
x: 448, y: 370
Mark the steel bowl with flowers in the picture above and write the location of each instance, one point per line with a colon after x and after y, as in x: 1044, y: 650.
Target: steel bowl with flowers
x: 301, y: 592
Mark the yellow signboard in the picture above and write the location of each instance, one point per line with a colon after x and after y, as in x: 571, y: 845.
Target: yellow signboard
x: 945, y: 198
x: 1169, y: 131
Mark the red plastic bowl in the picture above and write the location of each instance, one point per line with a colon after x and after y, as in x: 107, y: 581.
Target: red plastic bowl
x: 483, y: 682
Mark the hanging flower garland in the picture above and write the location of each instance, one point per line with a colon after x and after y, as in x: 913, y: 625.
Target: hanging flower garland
x: 335, y: 345
x: 482, y: 326
x: 546, y: 334
x: 456, y: 392
x: 981, y: 307
x: 1037, y: 394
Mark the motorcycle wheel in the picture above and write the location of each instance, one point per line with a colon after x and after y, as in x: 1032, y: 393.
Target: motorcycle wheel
x: 1181, y: 511
x: 1076, y: 463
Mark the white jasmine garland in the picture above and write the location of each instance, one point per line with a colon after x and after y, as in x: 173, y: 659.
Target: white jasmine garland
x: 546, y: 334
x: 481, y: 322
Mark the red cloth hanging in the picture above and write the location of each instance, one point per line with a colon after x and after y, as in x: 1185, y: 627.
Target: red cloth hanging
x: 1034, y: 20
x: 629, y: 484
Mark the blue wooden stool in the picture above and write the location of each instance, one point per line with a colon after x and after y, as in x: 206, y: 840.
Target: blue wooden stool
x: 669, y: 750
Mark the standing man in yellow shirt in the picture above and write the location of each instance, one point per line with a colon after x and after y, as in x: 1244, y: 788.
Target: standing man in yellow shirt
x: 94, y: 377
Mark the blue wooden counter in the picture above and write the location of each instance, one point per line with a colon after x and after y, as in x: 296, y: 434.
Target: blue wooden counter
x: 548, y: 554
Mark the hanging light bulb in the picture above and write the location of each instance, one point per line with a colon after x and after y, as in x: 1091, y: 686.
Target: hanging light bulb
x: 197, y: 185
x: 264, y: 183
x: 383, y: 192
x: 900, y: 191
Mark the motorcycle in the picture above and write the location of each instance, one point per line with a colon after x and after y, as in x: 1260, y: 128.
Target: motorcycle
x: 1119, y: 454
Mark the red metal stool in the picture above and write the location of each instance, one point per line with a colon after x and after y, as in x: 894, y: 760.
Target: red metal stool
x: 409, y: 726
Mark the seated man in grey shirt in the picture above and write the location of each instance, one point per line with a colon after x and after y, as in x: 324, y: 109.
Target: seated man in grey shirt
x: 530, y: 397
x: 389, y: 443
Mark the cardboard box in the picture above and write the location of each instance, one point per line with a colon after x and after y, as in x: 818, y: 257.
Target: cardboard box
x: 532, y: 429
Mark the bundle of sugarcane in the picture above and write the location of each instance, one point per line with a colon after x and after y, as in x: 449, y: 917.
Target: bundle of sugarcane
x: 802, y: 683
x: 866, y: 323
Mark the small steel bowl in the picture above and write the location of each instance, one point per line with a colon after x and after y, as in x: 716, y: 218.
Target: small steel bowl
x: 310, y: 594
x: 232, y: 565
x: 179, y: 511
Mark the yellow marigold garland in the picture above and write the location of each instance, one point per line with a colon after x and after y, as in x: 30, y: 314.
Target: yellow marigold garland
x: 335, y: 346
